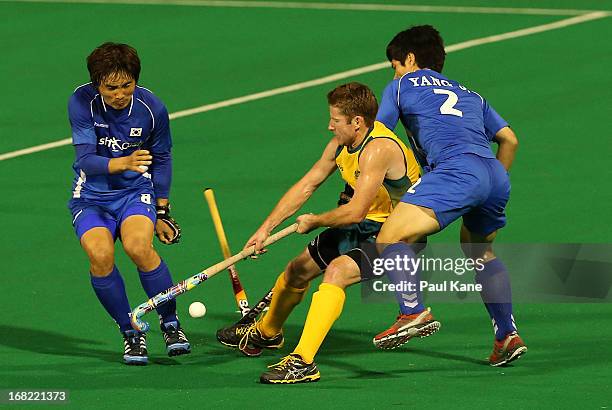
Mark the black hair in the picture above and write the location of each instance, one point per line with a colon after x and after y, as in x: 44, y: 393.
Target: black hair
x: 424, y: 42
x: 113, y: 58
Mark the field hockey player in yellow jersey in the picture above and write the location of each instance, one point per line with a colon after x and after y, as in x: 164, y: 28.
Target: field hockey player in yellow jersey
x: 378, y: 169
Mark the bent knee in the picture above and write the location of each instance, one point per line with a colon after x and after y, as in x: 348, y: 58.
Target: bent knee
x: 301, y: 270
x: 138, y: 248
x: 477, y: 246
x: 342, y: 271
x: 101, y: 259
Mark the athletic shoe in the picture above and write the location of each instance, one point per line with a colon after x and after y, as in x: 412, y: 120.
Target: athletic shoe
x: 291, y: 369
x: 253, y: 341
x: 135, y: 348
x: 405, y: 328
x: 176, y: 341
x: 231, y: 335
x: 507, y: 350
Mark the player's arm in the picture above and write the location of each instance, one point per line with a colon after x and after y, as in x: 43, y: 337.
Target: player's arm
x: 297, y: 195
x: 508, y: 144
x: 498, y: 130
x: 374, y: 163
x: 167, y: 229
x: 160, y: 146
x: 93, y: 164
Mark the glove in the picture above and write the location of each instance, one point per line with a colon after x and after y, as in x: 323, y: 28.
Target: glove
x: 163, y: 215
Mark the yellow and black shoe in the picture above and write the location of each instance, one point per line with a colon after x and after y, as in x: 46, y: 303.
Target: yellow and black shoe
x: 231, y: 335
x: 252, y: 341
x: 291, y: 369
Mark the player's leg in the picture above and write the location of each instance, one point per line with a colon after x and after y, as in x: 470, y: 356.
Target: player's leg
x: 432, y: 203
x: 322, y: 252
x: 478, y: 232
x: 395, y: 239
x: 289, y: 289
x: 408, y: 223
x: 96, y: 228
x: 326, y: 305
x: 497, y: 296
x: 398, y: 239
x: 292, y: 284
x: 137, y: 236
x: 106, y: 281
x: 325, y: 308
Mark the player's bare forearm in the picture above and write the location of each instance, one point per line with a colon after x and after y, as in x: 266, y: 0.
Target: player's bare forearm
x: 508, y: 145
x: 506, y: 154
x: 289, y: 204
x: 301, y: 191
x: 341, y: 216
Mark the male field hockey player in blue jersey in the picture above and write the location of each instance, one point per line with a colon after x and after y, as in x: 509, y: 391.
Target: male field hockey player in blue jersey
x: 450, y: 128
x: 122, y: 176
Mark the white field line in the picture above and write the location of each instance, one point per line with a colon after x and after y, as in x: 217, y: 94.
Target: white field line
x: 329, y: 6
x: 338, y: 76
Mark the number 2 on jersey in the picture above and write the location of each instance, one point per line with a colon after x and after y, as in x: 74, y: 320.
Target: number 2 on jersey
x: 448, y: 107
x: 411, y: 189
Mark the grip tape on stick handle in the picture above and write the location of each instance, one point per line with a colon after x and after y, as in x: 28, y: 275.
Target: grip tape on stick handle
x: 195, y: 280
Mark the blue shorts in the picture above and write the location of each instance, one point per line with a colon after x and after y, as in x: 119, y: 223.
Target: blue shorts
x: 88, y: 214
x: 465, y: 185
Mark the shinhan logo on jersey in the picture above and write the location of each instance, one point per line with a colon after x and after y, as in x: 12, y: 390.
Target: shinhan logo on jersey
x: 135, y: 132
x: 100, y: 125
x: 117, y: 145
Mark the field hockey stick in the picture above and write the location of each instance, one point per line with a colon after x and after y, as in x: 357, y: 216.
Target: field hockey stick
x: 239, y: 292
x: 195, y: 280
x: 250, y: 349
x: 256, y: 309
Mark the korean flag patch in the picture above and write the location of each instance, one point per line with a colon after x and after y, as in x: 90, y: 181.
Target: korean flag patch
x: 135, y: 132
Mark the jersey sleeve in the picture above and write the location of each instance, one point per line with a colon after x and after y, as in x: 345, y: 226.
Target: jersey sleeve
x: 388, y: 109
x: 88, y: 160
x: 161, y: 140
x: 493, y: 122
x: 81, y: 122
x: 160, y: 147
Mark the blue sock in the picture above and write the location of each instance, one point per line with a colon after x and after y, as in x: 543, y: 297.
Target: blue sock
x: 157, y: 281
x: 497, y: 296
x: 110, y: 291
x: 409, y: 302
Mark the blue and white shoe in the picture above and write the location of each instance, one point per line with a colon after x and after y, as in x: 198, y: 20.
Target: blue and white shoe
x: 135, y: 348
x: 176, y: 341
